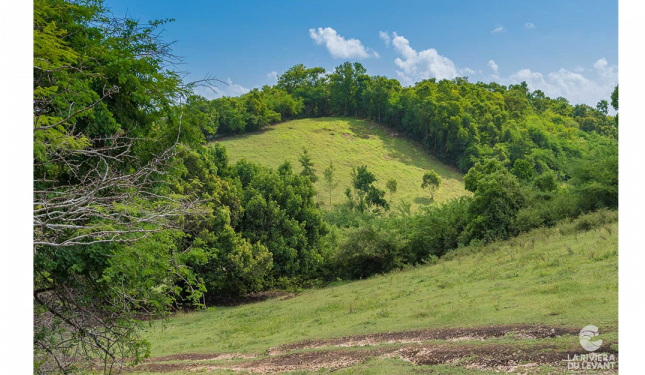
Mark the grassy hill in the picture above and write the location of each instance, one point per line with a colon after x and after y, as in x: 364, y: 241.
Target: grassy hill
x: 561, y: 279
x: 347, y: 143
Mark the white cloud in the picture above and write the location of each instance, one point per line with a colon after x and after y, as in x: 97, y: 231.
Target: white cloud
x: 385, y: 36
x: 498, y: 29
x: 606, y: 72
x: 578, y: 69
x: 529, y: 25
x: 493, y: 66
x: 273, y: 76
x: 419, y: 65
x: 233, y: 89
x: 340, y: 47
x: 466, y: 70
x: 222, y: 89
x: 574, y: 86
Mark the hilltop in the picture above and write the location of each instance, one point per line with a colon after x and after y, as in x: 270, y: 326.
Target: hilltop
x: 347, y: 143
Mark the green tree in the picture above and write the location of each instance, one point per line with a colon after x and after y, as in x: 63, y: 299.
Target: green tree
x: 431, y: 181
x: 376, y: 95
x: 200, y: 113
x: 391, y: 187
x: 496, y: 202
x: 614, y: 103
x: 346, y: 84
x: 546, y: 182
x: 368, y: 195
x: 603, y: 107
x: 107, y: 126
x: 522, y: 169
x: 307, y: 164
x: 330, y: 179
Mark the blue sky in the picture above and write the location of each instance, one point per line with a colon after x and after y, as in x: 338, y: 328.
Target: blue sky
x: 565, y: 48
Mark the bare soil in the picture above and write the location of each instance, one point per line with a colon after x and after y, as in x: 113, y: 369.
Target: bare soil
x: 453, y: 334
x: 456, y: 349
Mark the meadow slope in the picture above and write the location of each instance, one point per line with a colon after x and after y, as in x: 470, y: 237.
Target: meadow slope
x: 553, y: 280
x: 347, y: 143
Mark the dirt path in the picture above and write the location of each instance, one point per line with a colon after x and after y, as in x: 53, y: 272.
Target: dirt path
x: 465, y: 347
x: 452, y: 334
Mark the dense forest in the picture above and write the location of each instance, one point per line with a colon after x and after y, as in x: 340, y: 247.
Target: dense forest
x: 137, y: 214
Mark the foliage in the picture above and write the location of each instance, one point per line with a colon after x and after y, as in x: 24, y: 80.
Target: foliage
x: 366, y: 251
x: 107, y: 125
x: 365, y: 195
x: 497, y: 200
x: 261, y: 226
x: 431, y: 181
x: 391, y: 187
x: 307, y: 164
x: 523, y: 170
x: 330, y: 179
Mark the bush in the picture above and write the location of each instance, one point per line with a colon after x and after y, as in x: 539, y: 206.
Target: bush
x: 366, y: 251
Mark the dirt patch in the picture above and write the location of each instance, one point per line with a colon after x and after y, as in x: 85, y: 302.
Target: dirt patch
x: 497, y: 357
x: 169, y: 367
x: 491, y: 357
x: 201, y: 357
x: 451, y: 334
x: 461, y: 349
x: 313, y: 361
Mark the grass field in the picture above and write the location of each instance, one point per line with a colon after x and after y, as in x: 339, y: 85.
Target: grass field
x: 348, y: 143
x: 562, y: 277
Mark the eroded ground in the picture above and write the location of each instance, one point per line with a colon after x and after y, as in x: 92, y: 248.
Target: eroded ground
x: 526, y: 349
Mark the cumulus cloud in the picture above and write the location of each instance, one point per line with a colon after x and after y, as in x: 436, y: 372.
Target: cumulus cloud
x: 498, y: 29
x: 273, y: 76
x: 385, y: 36
x: 529, y: 25
x: 493, y: 66
x: 607, y: 73
x: 419, y: 65
x: 339, y: 47
x: 573, y: 86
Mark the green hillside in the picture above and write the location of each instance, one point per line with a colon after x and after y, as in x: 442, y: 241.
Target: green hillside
x: 563, y: 278
x: 347, y: 143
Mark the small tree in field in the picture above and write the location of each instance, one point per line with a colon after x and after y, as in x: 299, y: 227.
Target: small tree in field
x: 308, y: 169
x: 330, y: 182
x: 368, y: 195
x: 391, y: 186
x: 431, y: 181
